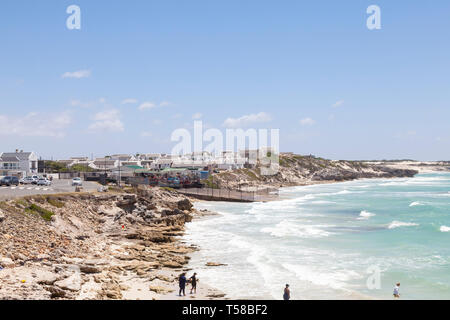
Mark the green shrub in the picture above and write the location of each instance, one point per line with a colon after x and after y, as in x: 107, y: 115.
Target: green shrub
x: 44, y: 213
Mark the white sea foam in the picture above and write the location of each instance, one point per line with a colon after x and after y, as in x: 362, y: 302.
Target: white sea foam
x: 345, y: 191
x: 276, y: 206
x: 398, y: 224
x: 265, y: 244
x: 416, y: 203
x: 366, y: 215
x: 289, y: 229
x: 416, y: 181
x: 322, y: 202
x: 335, y: 280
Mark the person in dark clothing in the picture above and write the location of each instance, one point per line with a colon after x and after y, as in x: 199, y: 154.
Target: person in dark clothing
x: 287, y: 293
x: 182, y: 282
x: 194, y: 282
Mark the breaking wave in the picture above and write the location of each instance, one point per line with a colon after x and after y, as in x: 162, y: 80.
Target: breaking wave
x: 398, y: 224
x: 366, y: 215
x: 288, y: 229
x: 335, y: 280
x: 416, y: 203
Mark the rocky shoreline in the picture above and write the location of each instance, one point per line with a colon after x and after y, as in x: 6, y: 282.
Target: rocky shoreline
x: 298, y: 170
x: 95, y: 246
x: 126, y: 244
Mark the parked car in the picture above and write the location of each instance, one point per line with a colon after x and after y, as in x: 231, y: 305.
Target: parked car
x: 44, y: 182
x: 35, y: 179
x: 9, y: 181
x: 26, y: 180
x: 77, y: 182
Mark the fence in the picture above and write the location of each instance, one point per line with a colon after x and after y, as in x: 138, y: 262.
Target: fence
x: 135, y: 181
x: 83, y: 175
x: 230, y: 195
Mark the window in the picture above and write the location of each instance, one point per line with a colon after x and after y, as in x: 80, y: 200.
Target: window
x: 10, y: 166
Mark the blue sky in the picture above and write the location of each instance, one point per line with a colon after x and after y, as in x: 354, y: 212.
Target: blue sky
x: 310, y: 68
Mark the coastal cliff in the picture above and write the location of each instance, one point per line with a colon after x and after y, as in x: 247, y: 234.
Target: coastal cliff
x: 112, y: 245
x: 304, y: 170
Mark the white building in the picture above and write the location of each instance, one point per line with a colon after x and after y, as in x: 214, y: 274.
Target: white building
x: 104, y: 164
x: 123, y: 157
x: 18, y: 163
x: 161, y: 164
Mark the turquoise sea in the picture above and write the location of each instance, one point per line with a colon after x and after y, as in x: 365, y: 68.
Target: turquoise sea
x: 326, y: 240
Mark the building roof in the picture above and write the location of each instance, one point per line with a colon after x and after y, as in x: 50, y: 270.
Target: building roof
x: 164, y: 161
x: 20, y: 155
x: 9, y: 159
x: 105, y: 162
x: 147, y: 171
x: 134, y: 167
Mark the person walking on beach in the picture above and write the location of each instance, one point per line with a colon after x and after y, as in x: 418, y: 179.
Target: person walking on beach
x: 182, y: 283
x: 287, y: 293
x: 397, y: 291
x: 194, y: 282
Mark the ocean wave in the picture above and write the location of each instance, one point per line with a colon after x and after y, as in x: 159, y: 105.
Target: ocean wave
x: 422, y: 181
x: 443, y: 194
x: 345, y: 191
x: 416, y: 203
x: 289, y: 229
x: 398, y: 224
x: 335, y: 280
x: 444, y: 229
x: 364, y: 215
x: 281, y: 205
x: 322, y: 202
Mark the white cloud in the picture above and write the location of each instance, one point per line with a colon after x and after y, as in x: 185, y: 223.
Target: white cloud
x: 197, y: 116
x: 157, y: 122
x: 77, y: 74
x: 35, y: 125
x: 108, y: 120
x: 151, y: 105
x: 247, y: 120
x: 129, y: 101
x: 338, y: 103
x: 307, y: 122
x: 177, y: 116
x: 146, y: 105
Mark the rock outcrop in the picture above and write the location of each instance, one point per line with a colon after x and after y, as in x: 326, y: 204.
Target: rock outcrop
x: 94, y: 246
x: 304, y: 170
